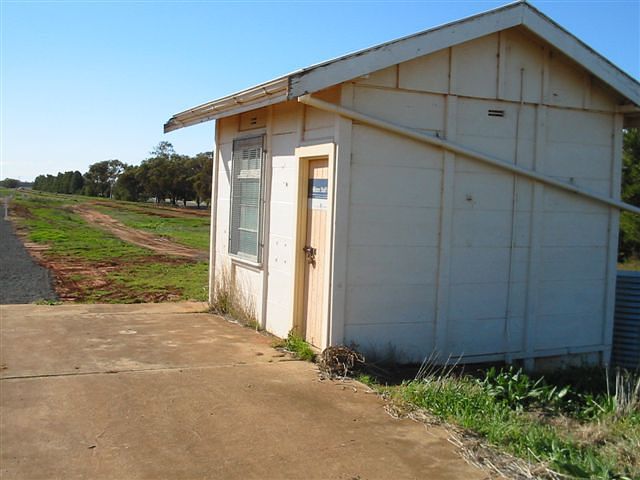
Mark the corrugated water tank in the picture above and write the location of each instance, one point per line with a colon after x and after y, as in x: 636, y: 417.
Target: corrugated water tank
x: 626, y: 327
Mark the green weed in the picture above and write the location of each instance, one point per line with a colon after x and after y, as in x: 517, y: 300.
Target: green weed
x: 584, y: 433
x: 517, y: 390
x: 298, y: 346
x: 367, y: 379
x: 45, y: 301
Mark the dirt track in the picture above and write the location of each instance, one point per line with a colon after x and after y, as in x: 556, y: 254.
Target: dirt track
x: 138, y: 237
x: 158, y: 210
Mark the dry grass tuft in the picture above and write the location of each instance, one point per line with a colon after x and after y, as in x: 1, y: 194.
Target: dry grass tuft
x: 229, y: 300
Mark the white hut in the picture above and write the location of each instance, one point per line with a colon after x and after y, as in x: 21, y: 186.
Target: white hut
x: 456, y: 191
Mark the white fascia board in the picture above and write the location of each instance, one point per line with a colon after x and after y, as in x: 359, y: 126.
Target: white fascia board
x: 559, y: 38
x: 351, y: 66
x: 177, y: 122
x: 269, y: 93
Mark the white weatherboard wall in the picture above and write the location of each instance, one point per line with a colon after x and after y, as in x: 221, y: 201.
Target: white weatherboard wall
x: 447, y: 253
x: 287, y: 126
x: 433, y: 251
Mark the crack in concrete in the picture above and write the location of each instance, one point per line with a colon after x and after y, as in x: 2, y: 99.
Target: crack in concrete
x: 142, y: 370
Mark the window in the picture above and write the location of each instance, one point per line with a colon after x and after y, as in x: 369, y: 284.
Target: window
x: 246, y: 198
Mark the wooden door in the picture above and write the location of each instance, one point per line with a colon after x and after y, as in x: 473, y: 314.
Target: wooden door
x: 315, y: 250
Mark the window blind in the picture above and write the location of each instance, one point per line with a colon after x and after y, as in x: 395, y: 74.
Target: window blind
x: 246, y: 198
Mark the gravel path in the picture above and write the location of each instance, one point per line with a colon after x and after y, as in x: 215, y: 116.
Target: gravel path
x: 21, y: 279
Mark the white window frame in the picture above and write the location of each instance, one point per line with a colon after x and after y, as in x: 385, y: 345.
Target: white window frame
x: 241, y: 145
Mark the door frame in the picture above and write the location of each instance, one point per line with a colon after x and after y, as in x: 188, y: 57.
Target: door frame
x: 303, y: 156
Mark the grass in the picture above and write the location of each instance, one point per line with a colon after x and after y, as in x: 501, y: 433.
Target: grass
x: 298, y: 346
x: 47, y: 302
x: 585, y: 430
x: 175, y: 281
x: 50, y: 221
x: 190, y: 231
x: 632, y: 264
x: 104, y: 268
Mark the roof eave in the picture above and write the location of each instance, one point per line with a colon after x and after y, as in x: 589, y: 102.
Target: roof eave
x: 269, y: 93
x: 567, y: 43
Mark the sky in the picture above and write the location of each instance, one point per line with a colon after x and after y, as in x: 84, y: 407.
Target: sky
x: 86, y: 81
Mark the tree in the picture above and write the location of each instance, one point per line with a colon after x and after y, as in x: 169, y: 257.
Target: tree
x: 202, y: 180
x: 164, y: 174
x: 77, y: 182
x: 10, y: 183
x: 128, y: 186
x: 163, y: 150
x: 102, y: 176
x: 185, y: 169
x: 629, y: 245
x: 46, y: 183
x: 154, y: 178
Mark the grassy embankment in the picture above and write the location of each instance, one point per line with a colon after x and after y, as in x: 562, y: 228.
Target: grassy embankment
x: 95, y: 266
x: 578, y: 423
x: 192, y: 231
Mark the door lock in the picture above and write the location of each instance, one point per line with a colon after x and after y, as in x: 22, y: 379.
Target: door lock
x: 310, y: 254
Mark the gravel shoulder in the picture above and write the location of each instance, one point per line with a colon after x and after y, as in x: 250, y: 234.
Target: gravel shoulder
x: 22, y: 280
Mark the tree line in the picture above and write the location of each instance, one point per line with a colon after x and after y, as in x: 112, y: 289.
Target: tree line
x: 164, y: 175
x: 15, y: 183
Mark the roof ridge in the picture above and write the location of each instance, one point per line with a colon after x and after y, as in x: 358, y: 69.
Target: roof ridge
x: 361, y: 62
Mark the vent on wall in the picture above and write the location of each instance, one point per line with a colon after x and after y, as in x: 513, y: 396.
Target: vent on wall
x: 495, y: 113
x: 253, y: 119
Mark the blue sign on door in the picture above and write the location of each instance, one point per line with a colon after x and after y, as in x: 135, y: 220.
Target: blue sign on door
x: 318, y: 188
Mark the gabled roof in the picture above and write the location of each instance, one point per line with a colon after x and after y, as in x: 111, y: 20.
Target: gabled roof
x: 318, y: 77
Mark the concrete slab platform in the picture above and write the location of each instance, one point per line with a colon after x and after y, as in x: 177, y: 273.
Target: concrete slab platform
x: 129, y: 393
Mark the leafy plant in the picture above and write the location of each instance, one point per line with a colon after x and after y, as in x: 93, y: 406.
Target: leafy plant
x: 517, y: 390
x: 44, y: 301
x: 298, y: 346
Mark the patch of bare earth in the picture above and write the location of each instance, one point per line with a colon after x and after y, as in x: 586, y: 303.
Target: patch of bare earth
x: 161, y: 245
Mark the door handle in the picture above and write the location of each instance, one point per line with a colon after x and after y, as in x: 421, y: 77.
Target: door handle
x: 310, y: 254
